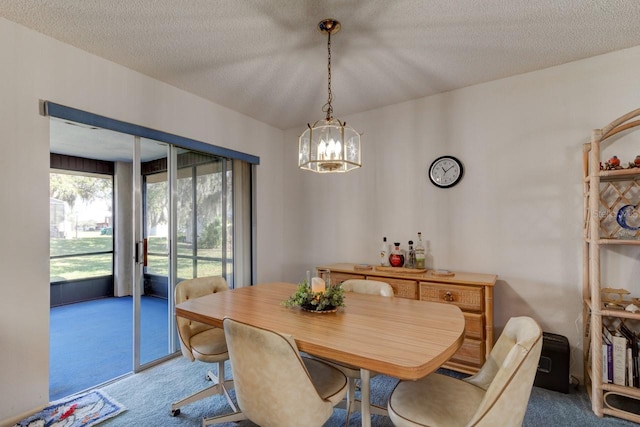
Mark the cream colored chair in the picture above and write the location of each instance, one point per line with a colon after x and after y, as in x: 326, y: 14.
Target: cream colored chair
x: 203, y: 342
x: 360, y: 286
x: 371, y: 287
x: 496, y: 396
x: 275, y: 387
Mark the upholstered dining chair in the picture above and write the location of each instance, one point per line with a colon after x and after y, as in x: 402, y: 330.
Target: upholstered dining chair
x: 365, y: 286
x: 360, y: 286
x: 203, y: 342
x: 274, y: 385
x: 496, y: 396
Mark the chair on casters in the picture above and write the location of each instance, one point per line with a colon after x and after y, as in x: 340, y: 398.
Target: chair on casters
x: 360, y: 286
x: 274, y: 386
x: 496, y: 396
x: 203, y: 342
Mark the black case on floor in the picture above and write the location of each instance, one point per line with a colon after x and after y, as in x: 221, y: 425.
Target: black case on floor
x: 553, y: 367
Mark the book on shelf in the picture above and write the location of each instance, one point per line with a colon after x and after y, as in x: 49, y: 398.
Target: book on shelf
x: 633, y: 374
x: 607, y: 359
x: 606, y: 333
x: 629, y: 368
x: 619, y: 359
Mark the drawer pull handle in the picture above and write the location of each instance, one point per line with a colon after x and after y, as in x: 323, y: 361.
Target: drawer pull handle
x: 448, y: 296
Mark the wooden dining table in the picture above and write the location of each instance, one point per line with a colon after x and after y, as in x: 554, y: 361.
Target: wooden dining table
x: 402, y: 338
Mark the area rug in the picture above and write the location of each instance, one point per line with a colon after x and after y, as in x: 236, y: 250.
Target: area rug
x: 80, y: 410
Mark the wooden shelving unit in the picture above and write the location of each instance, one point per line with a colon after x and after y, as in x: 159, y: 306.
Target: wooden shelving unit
x: 605, y: 192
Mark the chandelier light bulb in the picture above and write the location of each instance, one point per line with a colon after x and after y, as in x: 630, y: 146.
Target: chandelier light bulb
x: 331, y: 149
x: 322, y: 150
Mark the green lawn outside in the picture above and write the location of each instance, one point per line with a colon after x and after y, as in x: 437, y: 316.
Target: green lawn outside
x: 86, y: 242
x: 158, y: 265
x: 101, y: 264
x: 80, y: 267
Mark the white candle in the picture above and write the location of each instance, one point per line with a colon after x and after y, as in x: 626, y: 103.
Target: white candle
x: 317, y: 285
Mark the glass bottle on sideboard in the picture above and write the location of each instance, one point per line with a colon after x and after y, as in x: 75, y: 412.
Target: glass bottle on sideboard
x: 428, y: 258
x: 384, y: 253
x: 396, y: 259
x: 420, y: 260
x: 410, y: 261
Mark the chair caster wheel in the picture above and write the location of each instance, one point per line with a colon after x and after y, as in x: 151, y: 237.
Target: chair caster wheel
x: 175, y: 412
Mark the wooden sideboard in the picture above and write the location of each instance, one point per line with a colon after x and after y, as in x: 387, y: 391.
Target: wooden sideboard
x: 472, y: 292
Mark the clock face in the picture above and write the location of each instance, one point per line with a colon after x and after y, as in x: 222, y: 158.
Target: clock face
x: 445, y: 171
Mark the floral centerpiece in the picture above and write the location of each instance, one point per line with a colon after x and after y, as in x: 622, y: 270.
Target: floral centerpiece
x: 326, y: 300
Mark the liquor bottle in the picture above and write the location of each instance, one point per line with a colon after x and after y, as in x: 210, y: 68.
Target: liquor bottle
x: 396, y: 259
x: 410, y: 261
x: 428, y: 258
x: 420, y: 261
x: 384, y: 253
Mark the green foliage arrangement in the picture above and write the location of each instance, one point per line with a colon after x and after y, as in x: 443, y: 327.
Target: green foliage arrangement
x: 330, y: 299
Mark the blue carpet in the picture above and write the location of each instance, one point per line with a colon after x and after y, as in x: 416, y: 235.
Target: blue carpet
x: 81, y: 334
x: 92, y: 342
x: 148, y: 396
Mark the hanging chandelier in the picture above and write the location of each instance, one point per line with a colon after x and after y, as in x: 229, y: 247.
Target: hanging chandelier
x: 330, y: 145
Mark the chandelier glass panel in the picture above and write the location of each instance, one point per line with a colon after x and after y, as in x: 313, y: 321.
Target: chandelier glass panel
x: 330, y: 145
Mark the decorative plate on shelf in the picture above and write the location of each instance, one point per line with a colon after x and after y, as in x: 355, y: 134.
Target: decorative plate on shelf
x: 628, y: 217
x: 442, y: 273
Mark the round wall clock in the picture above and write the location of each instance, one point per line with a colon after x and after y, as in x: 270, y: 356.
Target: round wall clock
x: 445, y: 171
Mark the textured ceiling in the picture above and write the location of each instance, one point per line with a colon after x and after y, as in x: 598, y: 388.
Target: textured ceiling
x: 267, y: 60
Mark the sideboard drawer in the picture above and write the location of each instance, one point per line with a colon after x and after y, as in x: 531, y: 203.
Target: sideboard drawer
x: 474, y: 325
x: 401, y: 288
x: 471, y: 353
x: 337, y: 278
x: 466, y: 297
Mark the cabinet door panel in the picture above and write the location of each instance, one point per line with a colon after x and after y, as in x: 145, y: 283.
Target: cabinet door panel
x: 474, y: 325
x: 471, y: 353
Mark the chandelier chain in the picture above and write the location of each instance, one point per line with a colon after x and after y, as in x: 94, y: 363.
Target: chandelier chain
x: 328, y: 108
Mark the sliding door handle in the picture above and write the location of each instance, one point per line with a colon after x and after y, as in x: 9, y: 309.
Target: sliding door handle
x: 141, y: 253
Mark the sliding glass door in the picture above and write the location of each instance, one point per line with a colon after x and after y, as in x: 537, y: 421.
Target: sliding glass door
x: 153, y: 271
x: 171, y: 218
x: 204, y: 216
x: 183, y: 225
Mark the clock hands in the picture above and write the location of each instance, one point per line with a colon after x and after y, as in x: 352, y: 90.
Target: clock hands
x: 446, y: 170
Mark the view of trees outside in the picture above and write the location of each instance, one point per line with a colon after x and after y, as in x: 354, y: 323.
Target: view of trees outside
x: 80, y: 226
x: 200, y: 241
x: 81, y: 223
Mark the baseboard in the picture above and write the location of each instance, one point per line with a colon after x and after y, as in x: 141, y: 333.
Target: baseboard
x: 10, y: 422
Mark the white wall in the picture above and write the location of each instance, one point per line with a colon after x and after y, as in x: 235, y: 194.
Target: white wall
x: 517, y: 212
x: 36, y: 67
